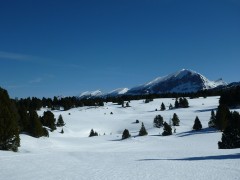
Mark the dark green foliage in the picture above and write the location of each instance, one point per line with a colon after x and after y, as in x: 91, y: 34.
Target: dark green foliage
x: 231, y: 97
x: 176, y: 103
x: 143, y: 131
x: 222, y: 117
x: 9, y: 131
x: 60, y: 121
x: 197, y: 124
x: 111, y: 112
x: 170, y: 106
x: 126, y: 134
x: 35, y: 129
x: 92, y: 133
x: 212, y: 121
x: 235, y: 120
x: 137, y: 121
x: 127, y: 104
x: 163, y: 108
x: 230, y: 138
x: 158, y: 121
x: 175, y: 120
x: 148, y: 100
x: 48, y: 120
x: 167, y: 129
x: 24, y: 121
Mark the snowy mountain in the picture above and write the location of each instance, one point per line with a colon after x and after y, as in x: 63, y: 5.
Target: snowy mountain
x: 182, y: 81
x: 90, y: 94
x: 117, y: 92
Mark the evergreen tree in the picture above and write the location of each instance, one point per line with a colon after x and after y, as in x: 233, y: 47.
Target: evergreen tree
x: 167, y: 129
x: 127, y: 104
x: 222, y: 117
x: 175, y: 120
x: 48, y: 120
x: 126, y: 134
x: 92, y: 133
x: 158, y: 121
x: 170, y: 106
x: 197, y: 124
x: 230, y: 138
x: 212, y: 121
x: 176, y: 103
x: 60, y: 121
x: 9, y: 131
x: 163, y: 107
x: 143, y: 131
x: 24, y: 121
x: 184, y: 103
x: 35, y: 129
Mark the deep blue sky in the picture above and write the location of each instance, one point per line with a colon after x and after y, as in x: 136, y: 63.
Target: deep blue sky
x: 64, y: 47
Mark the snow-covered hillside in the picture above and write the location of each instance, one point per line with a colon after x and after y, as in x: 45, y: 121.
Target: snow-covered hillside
x: 185, y: 155
x: 182, y: 81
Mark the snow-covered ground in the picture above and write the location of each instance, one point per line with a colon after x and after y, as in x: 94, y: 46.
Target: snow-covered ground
x: 73, y: 155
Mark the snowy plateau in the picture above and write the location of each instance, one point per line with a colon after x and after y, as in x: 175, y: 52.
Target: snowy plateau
x: 186, y: 154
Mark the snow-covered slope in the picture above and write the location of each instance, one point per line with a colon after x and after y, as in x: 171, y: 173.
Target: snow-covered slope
x: 179, y: 82
x: 116, y: 92
x: 73, y: 155
x: 91, y: 94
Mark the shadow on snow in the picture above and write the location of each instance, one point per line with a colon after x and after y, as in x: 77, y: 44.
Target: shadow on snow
x: 194, y: 132
x: 200, y: 158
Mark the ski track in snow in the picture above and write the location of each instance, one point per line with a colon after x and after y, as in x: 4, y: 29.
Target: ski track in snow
x: 185, y: 155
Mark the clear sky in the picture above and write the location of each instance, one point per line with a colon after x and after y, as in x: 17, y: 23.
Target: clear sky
x: 65, y: 47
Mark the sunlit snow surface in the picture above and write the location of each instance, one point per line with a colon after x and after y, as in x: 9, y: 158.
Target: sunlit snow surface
x: 185, y: 155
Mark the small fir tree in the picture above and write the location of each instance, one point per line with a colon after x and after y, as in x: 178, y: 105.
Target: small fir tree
x: 163, y: 108
x: 170, y: 106
x: 167, y: 129
x: 175, y: 120
x: 127, y: 104
x: 126, y: 134
x: 60, y: 121
x: 212, y: 121
x: 197, y: 124
x: 143, y: 130
x: 176, y: 103
x: 48, y: 120
x: 158, y: 121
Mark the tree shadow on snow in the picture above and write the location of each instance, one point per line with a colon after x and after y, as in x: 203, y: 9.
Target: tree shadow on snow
x: 206, y: 110
x: 200, y: 158
x: 194, y: 132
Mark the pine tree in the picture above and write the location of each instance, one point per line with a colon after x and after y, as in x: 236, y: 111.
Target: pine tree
x: 197, y: 124
x: 158, y: 121
x: 60, y: 121
x: 36, y: 129
x: 167, y: 129
x: 24, y: 121
x: 9, y: 131
x: 176, y: 103
x: 175, y: 120
x: 170, y: 106
x: 126, y: 134
x: 48, y: 120
x: 222, y: 117
x: 212, y: 121
x: 92, y: 133
x: 127, y: 104
x: 230, y: 138
x: 143, y: 131
x: 163, y: 107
